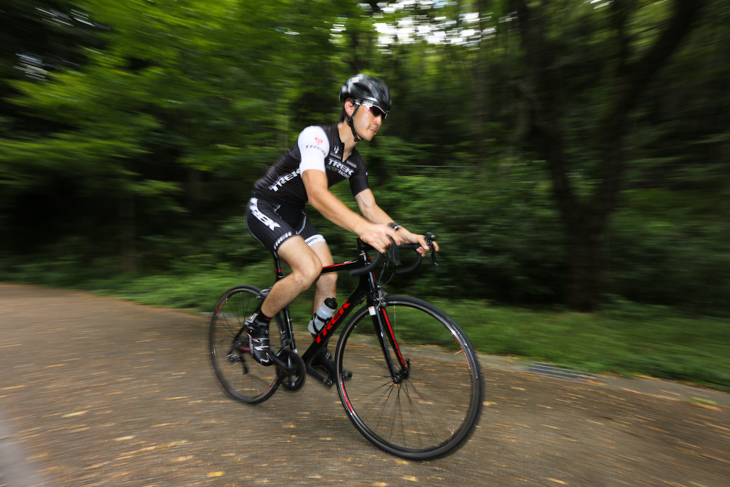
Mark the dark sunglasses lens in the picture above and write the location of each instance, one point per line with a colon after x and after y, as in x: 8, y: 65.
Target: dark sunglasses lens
x: 377, y: 112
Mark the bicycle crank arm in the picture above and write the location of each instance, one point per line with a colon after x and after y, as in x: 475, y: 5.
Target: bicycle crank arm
x: 281, y: 364
x: 319, y: 376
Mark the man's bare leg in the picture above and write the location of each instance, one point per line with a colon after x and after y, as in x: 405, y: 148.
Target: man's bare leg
x: 326, y: 288
x: 327, y: 283
x: 305, y: 266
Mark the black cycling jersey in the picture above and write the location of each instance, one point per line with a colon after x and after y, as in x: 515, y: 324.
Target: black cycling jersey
x: 316, y: 148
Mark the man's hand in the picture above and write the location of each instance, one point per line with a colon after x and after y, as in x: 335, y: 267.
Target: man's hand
x: 417, y: 239
x: 377, y: 236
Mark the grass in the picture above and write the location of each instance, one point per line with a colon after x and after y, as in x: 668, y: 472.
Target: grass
x: 627, y: 338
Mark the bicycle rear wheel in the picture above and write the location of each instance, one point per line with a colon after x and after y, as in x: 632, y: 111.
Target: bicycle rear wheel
x: 241, y: 377
x: 430, y: 411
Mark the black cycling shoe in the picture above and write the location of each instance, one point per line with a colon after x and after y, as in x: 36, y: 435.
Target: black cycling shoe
x: 258, y: 341
x: 323, y: 360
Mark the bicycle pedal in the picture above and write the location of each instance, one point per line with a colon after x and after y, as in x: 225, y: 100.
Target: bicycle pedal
x: 233, y: 358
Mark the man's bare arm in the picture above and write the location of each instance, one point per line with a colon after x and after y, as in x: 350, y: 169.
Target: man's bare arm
x: 332, y: 208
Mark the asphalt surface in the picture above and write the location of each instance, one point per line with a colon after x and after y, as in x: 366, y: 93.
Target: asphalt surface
x: 100, y: 392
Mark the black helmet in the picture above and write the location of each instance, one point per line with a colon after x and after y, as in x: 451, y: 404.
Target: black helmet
x: 367, y: 88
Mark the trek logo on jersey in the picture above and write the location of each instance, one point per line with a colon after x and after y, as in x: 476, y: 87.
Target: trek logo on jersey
x: 283, y: 180
x: 340, y: 168
x: 260, y: 216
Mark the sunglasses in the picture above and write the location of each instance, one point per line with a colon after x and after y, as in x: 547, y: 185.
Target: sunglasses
x: 375, y: 110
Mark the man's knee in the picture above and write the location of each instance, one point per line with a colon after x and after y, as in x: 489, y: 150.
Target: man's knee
x: 311, y: 274
x: 307, y: 271
x: 306, y: 262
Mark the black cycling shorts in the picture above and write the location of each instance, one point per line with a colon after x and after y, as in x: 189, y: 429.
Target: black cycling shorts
x: 272, y: 224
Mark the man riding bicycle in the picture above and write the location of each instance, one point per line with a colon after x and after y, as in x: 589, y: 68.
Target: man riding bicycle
x: 276, y: 215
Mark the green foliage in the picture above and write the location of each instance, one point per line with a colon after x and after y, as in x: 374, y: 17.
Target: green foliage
x: 497, y: 228
x: 197, y: 291
x: 626, y: 338
x: 147, y: 142
x: 671, y: 249
x: 140, y: 135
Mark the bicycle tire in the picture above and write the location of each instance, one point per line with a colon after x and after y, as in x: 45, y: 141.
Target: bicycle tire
x: 240, y: 376
x: 434, y: 410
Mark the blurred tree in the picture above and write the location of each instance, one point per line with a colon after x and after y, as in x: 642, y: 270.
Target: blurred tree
x: 38, y: 37
x: 181, y: 89
x: 143, y: 142
x: 677, y: 203
x: 607, y: 61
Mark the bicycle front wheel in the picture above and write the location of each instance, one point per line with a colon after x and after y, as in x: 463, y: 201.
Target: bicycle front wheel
x: 428, y: 409
x: 241, y: 377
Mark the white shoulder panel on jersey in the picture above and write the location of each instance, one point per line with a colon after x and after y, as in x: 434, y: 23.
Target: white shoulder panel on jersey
x: 314, y: 148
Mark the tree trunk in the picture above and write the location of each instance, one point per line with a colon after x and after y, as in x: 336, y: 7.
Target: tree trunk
x: 480, y: 87
x: 193, y: 189
x: 587, y: 263
x: 127, y: 234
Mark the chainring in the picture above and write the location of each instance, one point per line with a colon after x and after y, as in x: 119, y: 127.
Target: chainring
x: 292, y: 378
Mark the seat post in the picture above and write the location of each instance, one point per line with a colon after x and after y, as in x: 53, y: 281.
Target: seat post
x: 277, y: 266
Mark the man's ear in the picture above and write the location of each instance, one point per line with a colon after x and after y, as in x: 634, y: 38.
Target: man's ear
x: 349, y: 106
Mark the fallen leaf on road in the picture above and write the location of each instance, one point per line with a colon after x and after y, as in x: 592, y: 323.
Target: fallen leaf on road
x: 78, y: 413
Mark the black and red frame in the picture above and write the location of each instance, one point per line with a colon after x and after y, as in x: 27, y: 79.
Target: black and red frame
x: 367, y: 289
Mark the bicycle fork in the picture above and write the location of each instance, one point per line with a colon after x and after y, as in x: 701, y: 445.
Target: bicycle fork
x: 399, y: 367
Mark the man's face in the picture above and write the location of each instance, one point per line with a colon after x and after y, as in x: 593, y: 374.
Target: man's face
x: 366, y: 123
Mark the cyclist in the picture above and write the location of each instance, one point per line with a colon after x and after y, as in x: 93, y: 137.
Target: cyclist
x: 276, y: 215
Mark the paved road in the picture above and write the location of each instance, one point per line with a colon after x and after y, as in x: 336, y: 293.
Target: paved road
x: 100, y: 392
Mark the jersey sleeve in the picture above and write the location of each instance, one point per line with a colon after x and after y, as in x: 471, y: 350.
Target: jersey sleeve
x: 313, y: 147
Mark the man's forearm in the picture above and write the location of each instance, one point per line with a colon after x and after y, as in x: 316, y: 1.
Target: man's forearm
x: 333, y: 209
x: 377, y: 215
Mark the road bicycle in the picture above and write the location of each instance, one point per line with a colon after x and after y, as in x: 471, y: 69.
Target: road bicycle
x: 413, y: 385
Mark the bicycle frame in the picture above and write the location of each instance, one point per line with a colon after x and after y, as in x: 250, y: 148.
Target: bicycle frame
x: 367, y: 288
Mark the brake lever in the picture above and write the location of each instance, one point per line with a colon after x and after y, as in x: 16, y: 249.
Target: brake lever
x: 393, y: 251
x: 430, y: 239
